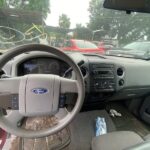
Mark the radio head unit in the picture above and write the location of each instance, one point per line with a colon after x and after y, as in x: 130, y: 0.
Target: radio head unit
x: 102, y: 77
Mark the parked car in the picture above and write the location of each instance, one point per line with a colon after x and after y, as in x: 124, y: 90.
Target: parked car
x: 81, y: 46
x: 139, y: 46
x: 140, y: 49
x: 104, y: 45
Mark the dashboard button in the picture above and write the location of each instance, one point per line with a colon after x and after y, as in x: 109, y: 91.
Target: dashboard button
x: 121, y: 82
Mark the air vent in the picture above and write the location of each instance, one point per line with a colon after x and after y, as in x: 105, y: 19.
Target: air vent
x: 119, y: 71
x: 84, y: 71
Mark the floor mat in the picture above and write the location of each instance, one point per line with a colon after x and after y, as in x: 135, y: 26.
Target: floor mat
x: 83, y: 129
x: 128, y: 122
x: 52, y: 142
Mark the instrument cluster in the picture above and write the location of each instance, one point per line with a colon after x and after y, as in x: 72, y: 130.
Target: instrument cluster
x: 44, y: 65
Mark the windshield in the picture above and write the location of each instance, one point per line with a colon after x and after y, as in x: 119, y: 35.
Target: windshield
x: 57, y: 22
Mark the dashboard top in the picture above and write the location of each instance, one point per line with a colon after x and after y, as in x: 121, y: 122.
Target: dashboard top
x: 101, y: 73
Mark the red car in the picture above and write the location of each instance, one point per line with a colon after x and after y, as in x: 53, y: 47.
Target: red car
x: 104, y: 45
x: 81, y: 46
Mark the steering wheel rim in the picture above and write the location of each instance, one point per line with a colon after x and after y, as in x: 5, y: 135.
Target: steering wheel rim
x: 7, y: 125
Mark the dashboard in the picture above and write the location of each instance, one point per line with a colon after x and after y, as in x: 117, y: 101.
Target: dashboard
x: 107, y: 78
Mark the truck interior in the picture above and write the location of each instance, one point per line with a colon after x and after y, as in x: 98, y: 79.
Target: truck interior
x: 50, y: 99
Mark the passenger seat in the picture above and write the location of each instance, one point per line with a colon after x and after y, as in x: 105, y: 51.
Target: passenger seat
x: 120, y: 140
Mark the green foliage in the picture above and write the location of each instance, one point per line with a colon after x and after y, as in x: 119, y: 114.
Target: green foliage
x: 82, y: 32
x: 41, y: 6
x: 33, y: 5
x: 117, y: 24
x: 2, y: 2
x: 64, y: 21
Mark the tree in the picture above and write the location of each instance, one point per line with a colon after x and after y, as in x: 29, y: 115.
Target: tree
x: 82, y: 32
x: 126, y: 28
x: 64, y: 21
x: 21, y: 24
x: 33, y: 5
x: 79, y: 25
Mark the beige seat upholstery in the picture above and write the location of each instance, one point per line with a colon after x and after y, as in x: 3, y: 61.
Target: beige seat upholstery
x: 116, y: 141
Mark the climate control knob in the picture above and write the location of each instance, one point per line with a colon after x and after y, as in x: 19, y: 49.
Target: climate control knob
x: 121, y: 82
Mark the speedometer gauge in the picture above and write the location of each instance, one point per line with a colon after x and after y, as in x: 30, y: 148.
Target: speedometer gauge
x: 48, y: 66
x: 53, y: 67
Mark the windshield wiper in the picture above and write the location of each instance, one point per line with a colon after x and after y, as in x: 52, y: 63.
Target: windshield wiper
x: 122, y: 55
x: 129, y: 56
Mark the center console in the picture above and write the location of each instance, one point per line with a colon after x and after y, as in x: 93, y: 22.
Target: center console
x: 102, y: 78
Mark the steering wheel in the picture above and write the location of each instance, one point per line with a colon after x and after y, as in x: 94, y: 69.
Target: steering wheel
x: 37, y: 94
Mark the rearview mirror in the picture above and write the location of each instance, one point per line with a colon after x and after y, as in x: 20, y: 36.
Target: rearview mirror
x: 128, y: 5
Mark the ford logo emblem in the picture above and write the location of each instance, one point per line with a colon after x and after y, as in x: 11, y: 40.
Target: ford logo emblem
x: 39, y: 91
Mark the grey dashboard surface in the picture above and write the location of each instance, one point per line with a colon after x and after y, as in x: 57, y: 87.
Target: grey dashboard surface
x: 136, y: 72
x: 135, y: 76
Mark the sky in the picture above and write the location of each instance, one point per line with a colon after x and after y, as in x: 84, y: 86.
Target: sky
x: 76, y: 10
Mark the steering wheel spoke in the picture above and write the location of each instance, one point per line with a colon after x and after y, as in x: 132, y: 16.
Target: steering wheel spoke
x: 9, y: 85
x: 9, y: 88
x: 68, y: 86
x: 9, y: 101
x: 14, y: 118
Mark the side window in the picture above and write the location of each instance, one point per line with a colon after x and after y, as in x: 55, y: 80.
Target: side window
x: 67, y: 44
x: 80, y: 44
